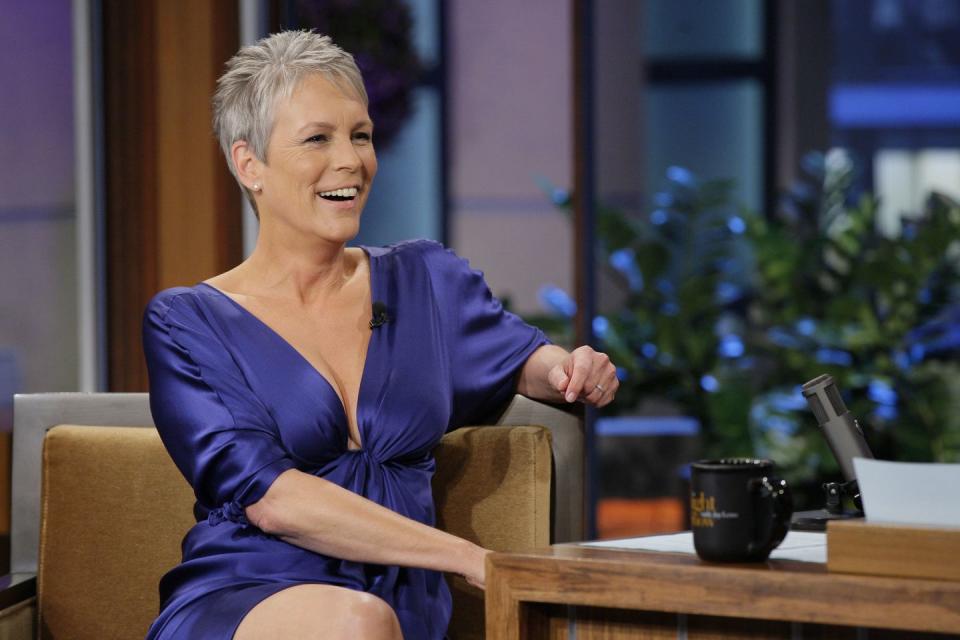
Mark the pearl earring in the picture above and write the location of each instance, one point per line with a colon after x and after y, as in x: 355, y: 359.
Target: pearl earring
x: 257, y: 187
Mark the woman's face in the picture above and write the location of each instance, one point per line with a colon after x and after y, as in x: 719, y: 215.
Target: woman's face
x: 320, y: 161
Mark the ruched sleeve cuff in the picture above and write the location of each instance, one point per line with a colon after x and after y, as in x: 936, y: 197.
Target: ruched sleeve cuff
x: 223, y: 440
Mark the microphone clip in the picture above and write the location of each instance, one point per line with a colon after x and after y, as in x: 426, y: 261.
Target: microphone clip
x: 380, y: 316
x: 835, y: 493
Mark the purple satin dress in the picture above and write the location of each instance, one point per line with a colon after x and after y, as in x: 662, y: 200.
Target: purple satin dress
x: 236, y: 406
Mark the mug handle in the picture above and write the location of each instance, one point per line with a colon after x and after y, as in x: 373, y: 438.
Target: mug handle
x: 776, y: 493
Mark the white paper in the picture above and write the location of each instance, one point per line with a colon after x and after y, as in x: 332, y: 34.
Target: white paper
x: 805, y: 546
x: 909, y: 492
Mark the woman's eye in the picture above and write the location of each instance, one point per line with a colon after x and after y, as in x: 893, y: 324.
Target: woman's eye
x: 320, y: 137
x: 362, y: 136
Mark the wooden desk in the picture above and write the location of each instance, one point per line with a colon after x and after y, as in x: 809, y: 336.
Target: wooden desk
x: 583, y: 593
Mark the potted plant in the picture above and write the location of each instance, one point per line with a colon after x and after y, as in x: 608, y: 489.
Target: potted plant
x: 722, y: 313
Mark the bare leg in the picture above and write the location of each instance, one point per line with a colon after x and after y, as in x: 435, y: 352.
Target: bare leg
x: 319, y: 611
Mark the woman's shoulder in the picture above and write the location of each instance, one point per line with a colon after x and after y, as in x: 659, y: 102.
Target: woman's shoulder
x: 177, y: 300
x: 430, y: 253
x: 406, y: 248
x: 450, y: 276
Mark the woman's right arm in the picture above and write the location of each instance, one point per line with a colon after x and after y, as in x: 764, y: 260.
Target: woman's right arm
x: 321, y: 516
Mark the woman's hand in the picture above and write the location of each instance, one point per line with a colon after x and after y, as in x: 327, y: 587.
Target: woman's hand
x: 554, y: 375
x: 476, y: 572
x: 585, y: 375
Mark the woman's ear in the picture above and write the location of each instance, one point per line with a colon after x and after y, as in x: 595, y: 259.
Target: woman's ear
x: 247, y: 164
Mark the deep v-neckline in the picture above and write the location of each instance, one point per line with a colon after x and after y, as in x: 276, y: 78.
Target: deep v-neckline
x: 339, y: 400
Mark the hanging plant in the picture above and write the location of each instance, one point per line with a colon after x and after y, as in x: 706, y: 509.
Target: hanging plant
x: 378, y: 34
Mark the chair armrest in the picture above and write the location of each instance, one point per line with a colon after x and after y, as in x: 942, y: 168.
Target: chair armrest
x: 18, y: 608
x: 491, y: 486
x: 483, y: 473
x: 565, y: 423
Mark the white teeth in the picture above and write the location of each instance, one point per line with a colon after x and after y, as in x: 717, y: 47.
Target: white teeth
x: 349, y: 192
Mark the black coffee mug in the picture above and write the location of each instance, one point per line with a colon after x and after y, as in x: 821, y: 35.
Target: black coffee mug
x: 739, y: 511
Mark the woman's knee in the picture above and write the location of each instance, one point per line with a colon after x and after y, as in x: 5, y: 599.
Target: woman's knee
x: 320, y: 611
x: 371, y: 617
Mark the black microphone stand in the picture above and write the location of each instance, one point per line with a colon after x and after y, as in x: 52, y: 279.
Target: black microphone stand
x: 846, y: 442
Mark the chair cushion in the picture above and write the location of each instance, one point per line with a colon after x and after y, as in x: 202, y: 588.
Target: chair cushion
x: 114, y: 509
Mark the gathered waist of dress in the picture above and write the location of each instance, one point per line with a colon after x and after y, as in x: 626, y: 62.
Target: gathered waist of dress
x: 344, y: 472
x: 422, y: 459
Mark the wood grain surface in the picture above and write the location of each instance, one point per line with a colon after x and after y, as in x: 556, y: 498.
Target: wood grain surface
x: 893, y: 550
x: 613, y: 594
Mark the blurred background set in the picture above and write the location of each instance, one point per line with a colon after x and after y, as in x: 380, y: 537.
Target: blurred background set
x: 730, y: 197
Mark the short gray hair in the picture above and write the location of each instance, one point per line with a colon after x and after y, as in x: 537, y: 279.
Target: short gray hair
x: 260, y: 74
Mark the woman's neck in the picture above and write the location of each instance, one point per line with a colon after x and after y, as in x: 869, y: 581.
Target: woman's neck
x: 306, y: 271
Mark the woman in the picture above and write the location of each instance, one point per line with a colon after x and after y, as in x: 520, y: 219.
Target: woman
x: 301, y: 393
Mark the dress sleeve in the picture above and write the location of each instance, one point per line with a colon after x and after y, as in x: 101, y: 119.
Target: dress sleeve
x: 487, y: 345
x: 222, y: 439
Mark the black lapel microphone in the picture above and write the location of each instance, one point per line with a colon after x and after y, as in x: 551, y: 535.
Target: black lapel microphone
x: 380, y: 316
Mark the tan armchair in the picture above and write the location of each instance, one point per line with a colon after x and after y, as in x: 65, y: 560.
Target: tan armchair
x: 113, y: 508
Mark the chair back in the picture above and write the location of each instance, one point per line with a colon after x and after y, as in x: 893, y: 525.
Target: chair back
x: 33, y: 415
x: 114, y: 508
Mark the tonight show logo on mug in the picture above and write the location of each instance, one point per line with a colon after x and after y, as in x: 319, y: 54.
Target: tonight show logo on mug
x: 703, y: 511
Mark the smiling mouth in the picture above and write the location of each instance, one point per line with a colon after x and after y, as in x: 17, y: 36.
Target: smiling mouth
x: 340, y: 195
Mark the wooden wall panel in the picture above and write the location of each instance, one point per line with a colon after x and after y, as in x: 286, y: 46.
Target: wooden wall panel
x: 185, y: 182
x: 130, y: 137
x: 172, y: 209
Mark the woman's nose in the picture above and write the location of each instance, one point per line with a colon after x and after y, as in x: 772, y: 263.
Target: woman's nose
x: 345, y: 156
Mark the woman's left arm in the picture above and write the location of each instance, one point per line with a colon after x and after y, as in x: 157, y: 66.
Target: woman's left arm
x: 553, y: 374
